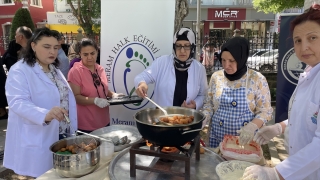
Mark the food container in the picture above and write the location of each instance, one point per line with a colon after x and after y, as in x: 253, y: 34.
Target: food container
x: 234, y: 169
x: 231, y: 149
x: 106, y: 150
x: 164, y: 135
x: 75, y: 165
x: 111, y: 132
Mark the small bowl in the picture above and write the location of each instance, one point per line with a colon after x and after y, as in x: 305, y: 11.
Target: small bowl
x: 232, y: 169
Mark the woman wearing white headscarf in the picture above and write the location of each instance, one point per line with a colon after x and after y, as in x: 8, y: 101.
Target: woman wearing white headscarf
x: 179, y: 79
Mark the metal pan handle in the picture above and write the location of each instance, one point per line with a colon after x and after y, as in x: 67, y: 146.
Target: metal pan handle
x: 185, y: 132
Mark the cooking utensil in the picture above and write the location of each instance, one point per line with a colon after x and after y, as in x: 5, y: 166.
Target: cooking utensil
x: 163, y: 110
x: 110, y: 132
x: 157, y: 120
x: 66, y: 118
x: 203, y: 169
x: 93, y: 135
x: 122, y: 140
x: 75, y: 165
x: 176, y: 135
x: 72, y: 131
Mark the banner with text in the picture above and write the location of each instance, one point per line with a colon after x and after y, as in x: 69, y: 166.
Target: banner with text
x: 289, y: 69
x: 133, y: 34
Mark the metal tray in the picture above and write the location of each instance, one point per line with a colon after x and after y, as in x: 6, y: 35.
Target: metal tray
x: 125, y: 100
x: 205, y: 169
x: 119, y: 130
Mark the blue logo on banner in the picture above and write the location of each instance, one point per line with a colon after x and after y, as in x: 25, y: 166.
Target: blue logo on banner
x: 291, y: 66
x: 131, y: 60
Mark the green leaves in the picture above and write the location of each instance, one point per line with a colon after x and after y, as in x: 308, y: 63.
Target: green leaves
x: 88, y: 15
x: 22, y: 17
x: 276, y: 6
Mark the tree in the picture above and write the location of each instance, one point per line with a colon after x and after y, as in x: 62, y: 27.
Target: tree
x: 88, y: 15
x: 22, y: 17
x: 181, y: 11
x: 276, y: 6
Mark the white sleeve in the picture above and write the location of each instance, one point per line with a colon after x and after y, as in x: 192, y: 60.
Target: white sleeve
x: 19, y: 97
x: 149, y: 75
x: 203, y: 88
x: 304, y: 162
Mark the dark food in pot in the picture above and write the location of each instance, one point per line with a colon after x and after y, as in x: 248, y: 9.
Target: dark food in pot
x: 74, y: 149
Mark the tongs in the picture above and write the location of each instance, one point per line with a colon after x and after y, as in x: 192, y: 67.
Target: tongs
x: 68, y: 121
x: 67, y: 118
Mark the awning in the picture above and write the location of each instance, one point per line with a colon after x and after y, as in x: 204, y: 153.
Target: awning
x: 67, y: 28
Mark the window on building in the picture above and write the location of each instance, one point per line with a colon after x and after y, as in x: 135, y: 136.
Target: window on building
x: 6, y: 2
x: 74, y: 3
x: 36, y: 2
x: 4, y: 41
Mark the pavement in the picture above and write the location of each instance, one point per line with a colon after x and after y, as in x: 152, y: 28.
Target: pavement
x: 277, y: 150
x: 3, y: 129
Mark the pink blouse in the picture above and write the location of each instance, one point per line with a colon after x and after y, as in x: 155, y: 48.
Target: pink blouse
x: 90, y: 117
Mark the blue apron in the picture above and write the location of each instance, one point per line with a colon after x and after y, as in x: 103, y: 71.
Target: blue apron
x: 233, y: 113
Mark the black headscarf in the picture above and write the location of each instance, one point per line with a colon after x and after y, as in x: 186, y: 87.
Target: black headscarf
x: 239, y: 49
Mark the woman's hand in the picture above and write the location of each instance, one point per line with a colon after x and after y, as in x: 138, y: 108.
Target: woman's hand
x: 142, y: 90
x: 55, y: 113
x: 101, y: 102
x: 247, y: 133
x: 266, y: 133
x: 191, y: 105
x: 260, y: 172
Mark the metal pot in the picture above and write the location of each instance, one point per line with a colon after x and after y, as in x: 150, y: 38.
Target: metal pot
x: 164, y: 135
x: 75, y: 165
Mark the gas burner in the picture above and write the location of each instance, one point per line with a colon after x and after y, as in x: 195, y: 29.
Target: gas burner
x: 165, y: 159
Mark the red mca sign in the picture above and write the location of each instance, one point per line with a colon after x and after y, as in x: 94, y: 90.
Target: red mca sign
x: 226, y: 14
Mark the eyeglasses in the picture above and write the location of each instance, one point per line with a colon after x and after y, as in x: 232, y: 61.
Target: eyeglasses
x: 96, y: 79
x: 47, y: 33
x: 97, y: 82
x: 186, y: 47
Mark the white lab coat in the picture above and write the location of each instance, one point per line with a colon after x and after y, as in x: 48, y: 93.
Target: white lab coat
x: 31, y: 94
x: 162, y: 74
x: 304, y: 135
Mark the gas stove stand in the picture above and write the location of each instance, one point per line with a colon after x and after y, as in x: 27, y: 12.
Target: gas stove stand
x: 161, y: 166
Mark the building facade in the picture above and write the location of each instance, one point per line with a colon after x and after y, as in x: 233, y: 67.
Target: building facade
x: 62, y: 19
x: 38, y: 10
x: 220, y: 18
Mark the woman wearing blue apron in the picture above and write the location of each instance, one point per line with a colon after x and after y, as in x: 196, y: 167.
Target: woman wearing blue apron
x: 238, y: 100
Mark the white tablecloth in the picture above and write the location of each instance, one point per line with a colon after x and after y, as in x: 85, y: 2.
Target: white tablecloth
x: 101, y: 173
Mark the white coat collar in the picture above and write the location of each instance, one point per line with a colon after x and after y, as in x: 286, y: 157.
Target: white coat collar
x: 41, y: 74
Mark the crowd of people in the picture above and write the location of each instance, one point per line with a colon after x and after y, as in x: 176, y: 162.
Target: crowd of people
x: 42, y: 87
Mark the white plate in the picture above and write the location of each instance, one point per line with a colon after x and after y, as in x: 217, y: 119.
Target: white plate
x: 232, y: 169
x: 119, y: 131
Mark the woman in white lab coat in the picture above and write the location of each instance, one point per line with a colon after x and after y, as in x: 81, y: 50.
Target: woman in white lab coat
x: 38, y: 97
x: 303, y: 116
x: 179, y: 79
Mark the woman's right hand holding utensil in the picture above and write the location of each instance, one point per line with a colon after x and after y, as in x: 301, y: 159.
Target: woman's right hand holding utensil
x: 142, y: 90
x: 55, y: 113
